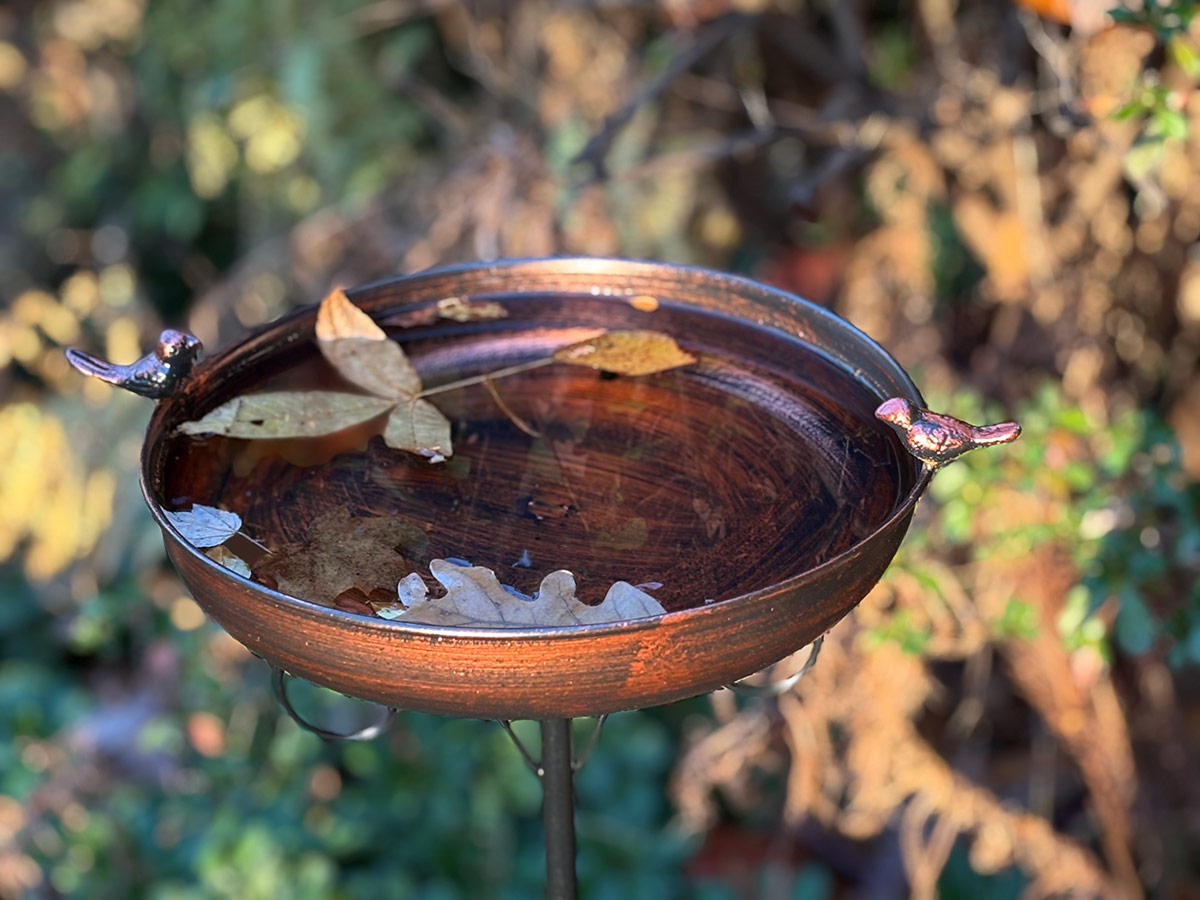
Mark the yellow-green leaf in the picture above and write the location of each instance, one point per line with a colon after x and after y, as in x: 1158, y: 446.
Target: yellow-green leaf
x: 627, y: 353
x: 461, y: 310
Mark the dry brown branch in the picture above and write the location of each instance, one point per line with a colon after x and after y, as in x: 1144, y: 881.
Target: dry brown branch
x: 719, y: 760
x: 818, y: 126
x: 712, y: 36
x: 381, y: 15
x: 886, y: 767
x: 925, y: 855
x: 699, y: 155
x: 1086, y: 718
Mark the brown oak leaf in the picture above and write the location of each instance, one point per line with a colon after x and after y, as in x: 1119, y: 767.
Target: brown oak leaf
x: 342, y: 552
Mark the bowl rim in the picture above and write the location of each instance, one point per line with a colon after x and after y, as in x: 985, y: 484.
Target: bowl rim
x: 579, y: 265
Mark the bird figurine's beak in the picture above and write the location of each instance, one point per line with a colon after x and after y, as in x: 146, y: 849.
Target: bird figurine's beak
x: 156, y: 375
x: 938, y: 439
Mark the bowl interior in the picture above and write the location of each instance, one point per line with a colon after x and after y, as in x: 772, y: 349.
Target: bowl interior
x: 761, y: 461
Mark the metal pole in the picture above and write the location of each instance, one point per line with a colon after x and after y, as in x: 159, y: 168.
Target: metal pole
x: 558, y: 808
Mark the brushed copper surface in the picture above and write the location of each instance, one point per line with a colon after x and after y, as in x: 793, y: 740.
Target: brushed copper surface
x: 544, y: 673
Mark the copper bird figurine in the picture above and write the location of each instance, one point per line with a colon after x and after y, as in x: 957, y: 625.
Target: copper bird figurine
x: 937, y: 439
x: 155, y: 375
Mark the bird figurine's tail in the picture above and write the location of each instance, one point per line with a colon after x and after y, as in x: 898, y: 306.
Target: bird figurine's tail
x: 91, y: 365
x: 155, y: 375
x: 1000, y: 433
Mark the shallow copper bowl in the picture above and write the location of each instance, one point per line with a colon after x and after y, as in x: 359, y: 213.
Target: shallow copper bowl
x: 531, y: 672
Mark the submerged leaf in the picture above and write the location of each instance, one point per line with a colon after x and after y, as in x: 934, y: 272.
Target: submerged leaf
x: 205, y: 526
x: 230, y: 560
x: 474, y: 596
x: 626, y: 353
x: 288, y: 414
x: 342, y: 552
x: 419, y: 427
x: 355, y: 601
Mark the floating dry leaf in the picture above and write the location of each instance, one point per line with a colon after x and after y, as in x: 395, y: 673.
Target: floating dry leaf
x: 362, y: 354
x: 341, y: 552
x: 230, y: 560
x: 288, y: 414
x: 376, y: 366
x: 205, y: 526
x: 338, y: 319
x: 418, y: 426
x: 474, y: 596
x: 360, y: 351
x: 627, y: 353
x: 644, y: 303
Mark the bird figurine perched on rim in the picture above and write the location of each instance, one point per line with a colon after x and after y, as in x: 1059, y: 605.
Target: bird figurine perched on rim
x: 155, y: 375
x: 937, y: 439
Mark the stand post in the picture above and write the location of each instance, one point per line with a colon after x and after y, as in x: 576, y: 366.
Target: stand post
x: 558, y: 808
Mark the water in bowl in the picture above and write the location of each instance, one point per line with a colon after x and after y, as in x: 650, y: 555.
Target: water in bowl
x: 753, y: 465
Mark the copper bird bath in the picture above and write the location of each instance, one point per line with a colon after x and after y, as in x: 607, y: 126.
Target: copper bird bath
x: 766, y: 496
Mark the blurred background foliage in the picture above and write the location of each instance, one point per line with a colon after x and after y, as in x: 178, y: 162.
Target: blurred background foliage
x: 1007, y: 195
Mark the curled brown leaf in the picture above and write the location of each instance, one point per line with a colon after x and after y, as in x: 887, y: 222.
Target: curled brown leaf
x: 380, y: 367
x: 475, y: 596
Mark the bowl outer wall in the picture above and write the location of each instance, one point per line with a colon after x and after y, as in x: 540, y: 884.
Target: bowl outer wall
x: 540, y: 673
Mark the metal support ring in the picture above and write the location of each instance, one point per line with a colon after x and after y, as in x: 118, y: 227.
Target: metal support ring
x: 577, y: 762
x: 367, y: 733
x: 589, y: 745
x: 775, y: 688
x: 534, y: 766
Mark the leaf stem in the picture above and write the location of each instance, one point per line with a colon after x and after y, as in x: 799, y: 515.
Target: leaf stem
x: 512, y: 416
x: 257, y: 544
x: 486, y: 376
